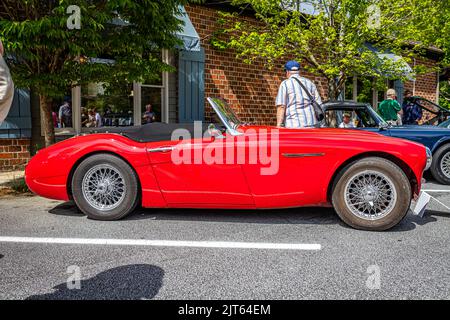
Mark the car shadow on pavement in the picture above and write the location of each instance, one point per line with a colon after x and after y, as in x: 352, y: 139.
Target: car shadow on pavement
x: 67, y: 209
x: 411, y: 221
x: 130, y: 282
x: 303, y: 216
x: 310, y: 215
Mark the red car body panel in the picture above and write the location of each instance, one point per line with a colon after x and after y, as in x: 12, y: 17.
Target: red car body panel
x: 300, y: 181
x: 48, y: 172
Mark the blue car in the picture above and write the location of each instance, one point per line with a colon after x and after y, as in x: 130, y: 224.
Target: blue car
x: 349, y: 114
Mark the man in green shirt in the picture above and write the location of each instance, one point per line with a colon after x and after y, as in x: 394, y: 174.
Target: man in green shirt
x: 390, y: 108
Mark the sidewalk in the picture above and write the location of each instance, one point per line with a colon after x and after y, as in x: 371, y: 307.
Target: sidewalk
x: 8, y: 177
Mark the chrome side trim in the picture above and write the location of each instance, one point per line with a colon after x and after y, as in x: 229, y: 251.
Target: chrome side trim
x: 302, y: 155
x: 162, y: 149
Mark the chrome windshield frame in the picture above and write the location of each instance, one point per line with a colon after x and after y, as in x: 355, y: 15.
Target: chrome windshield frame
x: 378, y: 119
x: 230, y: 129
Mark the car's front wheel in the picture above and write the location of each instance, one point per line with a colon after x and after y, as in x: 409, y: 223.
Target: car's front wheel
x: 372, y: 194
x: 440, y: 168
x: 105, y: 187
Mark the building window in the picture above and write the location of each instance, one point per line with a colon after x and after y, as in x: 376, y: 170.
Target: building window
x: 152, y: 100
x: 152, y: 104
x: 364, y: 90
x: 63, y: 114
x: 121, y: 104
x: 104, y: 105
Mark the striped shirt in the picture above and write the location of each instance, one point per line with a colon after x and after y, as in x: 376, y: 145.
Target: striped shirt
x: 299, y: 110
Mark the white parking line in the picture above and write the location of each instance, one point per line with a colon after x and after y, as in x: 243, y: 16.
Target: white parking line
x: 439, y: 191
x: 166, y: 243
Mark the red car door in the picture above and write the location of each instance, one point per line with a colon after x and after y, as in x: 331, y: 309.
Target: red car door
x: 187, y: 177
x: 294, y: 173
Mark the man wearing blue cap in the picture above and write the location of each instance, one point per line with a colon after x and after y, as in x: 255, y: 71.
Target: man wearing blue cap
x: 294, y: 105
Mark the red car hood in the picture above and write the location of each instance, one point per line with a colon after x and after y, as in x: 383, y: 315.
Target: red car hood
x: 314, y: 131
x: 331, y: 133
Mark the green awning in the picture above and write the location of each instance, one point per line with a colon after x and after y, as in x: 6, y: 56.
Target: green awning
x: 189, y: 36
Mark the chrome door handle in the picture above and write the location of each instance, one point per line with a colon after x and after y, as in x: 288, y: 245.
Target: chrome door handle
x: 161, y: 149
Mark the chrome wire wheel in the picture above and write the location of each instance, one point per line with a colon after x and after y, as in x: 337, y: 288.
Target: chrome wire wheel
x: 103, y: 187
x: 370, y: 195
x: 445, y: 165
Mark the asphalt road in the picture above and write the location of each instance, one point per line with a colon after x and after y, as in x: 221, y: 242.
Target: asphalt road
x: 409, y: 262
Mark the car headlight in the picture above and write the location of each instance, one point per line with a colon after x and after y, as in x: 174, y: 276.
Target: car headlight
x: 429, y: 158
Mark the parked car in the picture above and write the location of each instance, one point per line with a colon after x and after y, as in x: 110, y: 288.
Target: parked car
x: 368, y: 178
x: 432, y: 113
x: 445, y: 124
x: 436, y: 138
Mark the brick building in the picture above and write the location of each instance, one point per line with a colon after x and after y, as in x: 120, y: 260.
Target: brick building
x: 202, y: 71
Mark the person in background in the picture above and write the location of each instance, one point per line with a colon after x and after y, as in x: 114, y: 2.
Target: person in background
x: 346, y: 121
x: 107, y: 117
x: 149, y: 116
x: 55, y: 119
x: 390, y: 109
x: 6, y: 87
x: 412, y: 113
x: 294, y: 108
x: 65, y: 114
x: 97, y: 119
x: 84, y: 117
x: 90, y: 123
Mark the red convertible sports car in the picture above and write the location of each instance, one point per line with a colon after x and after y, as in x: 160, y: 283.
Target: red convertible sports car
x: 368, y: 178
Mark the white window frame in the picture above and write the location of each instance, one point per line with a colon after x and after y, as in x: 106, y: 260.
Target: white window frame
x: 374, y: 93
x: 76, y: 117
x: 137, y: 103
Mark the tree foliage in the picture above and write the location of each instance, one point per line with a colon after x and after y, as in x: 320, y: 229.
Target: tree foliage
x: 48, y: 57
x: 330, y: 36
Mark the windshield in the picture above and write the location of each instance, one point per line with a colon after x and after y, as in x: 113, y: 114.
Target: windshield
x: 225, y: 113
x: 353, y: 118
x: 377, y: 117
x: 432, y: 114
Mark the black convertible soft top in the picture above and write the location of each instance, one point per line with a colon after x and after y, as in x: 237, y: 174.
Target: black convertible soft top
x: 152, y: 132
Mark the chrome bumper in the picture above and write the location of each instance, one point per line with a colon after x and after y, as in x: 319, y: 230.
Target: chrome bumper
x: 421, y: 204
x: 429, y: 158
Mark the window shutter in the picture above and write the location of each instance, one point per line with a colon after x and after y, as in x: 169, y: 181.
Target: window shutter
x: 191, y: 86
x: 18, y: 122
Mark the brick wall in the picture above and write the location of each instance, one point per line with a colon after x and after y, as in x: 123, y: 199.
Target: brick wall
x: 14, y: 154
x: 425, y: 84
x: 251, y: 89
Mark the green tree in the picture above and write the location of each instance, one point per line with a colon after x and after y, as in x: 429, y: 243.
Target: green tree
x: 444, y: 98
x: 432, y: 24
x: 330, y: 36
x: 51, y: 47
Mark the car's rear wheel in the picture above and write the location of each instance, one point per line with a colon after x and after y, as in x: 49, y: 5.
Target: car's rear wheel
x: 372, y: 194
x: 440, y: 168
x: 105, y: 187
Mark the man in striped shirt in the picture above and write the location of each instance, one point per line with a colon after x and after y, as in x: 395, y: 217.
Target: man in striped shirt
x: 294, y: 107
x: 6, y: 87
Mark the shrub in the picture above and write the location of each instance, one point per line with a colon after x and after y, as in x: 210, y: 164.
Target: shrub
x: 19, y: 186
